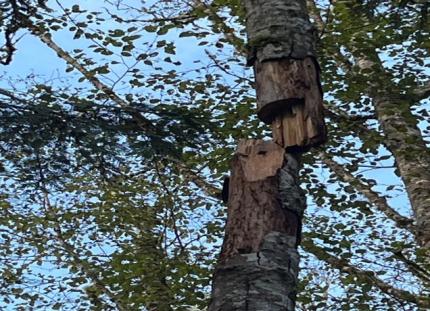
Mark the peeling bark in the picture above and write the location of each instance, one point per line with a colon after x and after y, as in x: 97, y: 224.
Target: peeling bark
x: 258, y: 265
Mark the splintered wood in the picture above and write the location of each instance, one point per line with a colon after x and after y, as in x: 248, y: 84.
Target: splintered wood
x: 293, y: 130
x: 289, y: 97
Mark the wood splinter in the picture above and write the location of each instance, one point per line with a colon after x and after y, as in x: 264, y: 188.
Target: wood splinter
x: 289, y: 97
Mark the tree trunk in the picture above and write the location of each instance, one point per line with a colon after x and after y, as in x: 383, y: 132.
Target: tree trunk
x: 259, y: 263
x: 282, y: 50
x: 403, y: 139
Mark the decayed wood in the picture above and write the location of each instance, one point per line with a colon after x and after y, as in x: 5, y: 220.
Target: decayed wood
x: 295, y: 132
x: 280, y: 84
x: 259, y: 159
x: 258, y: 265
x: 281, y: 42
x: 289, y: 96
x: 254, y: 207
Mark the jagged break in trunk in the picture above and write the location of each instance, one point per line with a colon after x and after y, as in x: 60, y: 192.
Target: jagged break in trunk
x: 281, y: 49
x: 259, y: 263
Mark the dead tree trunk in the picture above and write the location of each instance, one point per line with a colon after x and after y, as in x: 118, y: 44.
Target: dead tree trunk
x: 258, y: 265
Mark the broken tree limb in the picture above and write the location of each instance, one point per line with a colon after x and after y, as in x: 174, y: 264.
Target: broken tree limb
x: 289, y: 97
x: 258, y: 266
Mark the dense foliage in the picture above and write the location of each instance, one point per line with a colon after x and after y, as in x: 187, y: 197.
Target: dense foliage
x: 110, y: 171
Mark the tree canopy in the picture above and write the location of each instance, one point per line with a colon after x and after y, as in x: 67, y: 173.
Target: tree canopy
x: 111, y: 168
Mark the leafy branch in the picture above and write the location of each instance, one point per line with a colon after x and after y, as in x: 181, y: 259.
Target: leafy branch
x: 372, y: 196
x: 364, y: 275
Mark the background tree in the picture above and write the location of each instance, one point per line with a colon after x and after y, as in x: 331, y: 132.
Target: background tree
x: 110, y: 173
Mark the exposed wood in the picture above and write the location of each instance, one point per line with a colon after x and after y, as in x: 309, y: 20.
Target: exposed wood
x: 254, y: 207
x: 259, y: 159
x: 279, y: 85
x: 258, y: 265
x: 281, y: 42
x: 289, y: 96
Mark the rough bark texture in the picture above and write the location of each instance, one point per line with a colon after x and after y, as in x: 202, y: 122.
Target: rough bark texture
x: 258, y: 265
x: 278, y: 29
x: 405, y: 142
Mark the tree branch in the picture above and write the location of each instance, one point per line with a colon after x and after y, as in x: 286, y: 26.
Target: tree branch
x: 372, y: 196
x: 314, y: 13
x: 68, y: 248
x: 143, y: 122
x: 418, y: 271
x: 341, y: 60
x: 422, y: 92
x: 221, y: 25
x: 365, y: 275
